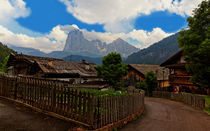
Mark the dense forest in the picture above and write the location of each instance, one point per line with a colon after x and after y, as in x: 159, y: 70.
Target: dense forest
x: 4, y: 53
x: 156, y: 53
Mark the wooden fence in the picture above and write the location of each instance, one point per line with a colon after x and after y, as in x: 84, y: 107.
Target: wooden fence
x: 79, y: 106
x: 187, y: 98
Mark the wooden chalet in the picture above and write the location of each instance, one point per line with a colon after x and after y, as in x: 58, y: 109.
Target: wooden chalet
x: 44, y: 67
x: 137, y: 72
x: 178, y: 75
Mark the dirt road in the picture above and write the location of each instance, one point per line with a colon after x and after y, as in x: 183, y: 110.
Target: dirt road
x: 16, y: 118
x: 166, y: 115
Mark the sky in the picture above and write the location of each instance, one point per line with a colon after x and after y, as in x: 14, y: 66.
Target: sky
x: 45, y: 24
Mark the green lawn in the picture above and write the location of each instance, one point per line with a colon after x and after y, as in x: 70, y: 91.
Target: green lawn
x: 207, y: 106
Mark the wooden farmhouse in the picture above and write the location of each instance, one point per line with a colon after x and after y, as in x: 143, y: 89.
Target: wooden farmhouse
x: 43, y: 67
x: 178, y: 75
x: 137, y: 72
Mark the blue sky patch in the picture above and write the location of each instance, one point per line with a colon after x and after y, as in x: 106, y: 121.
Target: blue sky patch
x: 46, y: 14
x: 169, y: 22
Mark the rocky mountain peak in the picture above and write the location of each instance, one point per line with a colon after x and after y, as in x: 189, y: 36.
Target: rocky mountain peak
x: 76, y: 43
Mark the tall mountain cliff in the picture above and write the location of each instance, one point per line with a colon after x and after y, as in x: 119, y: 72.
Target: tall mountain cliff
x: 77, y: 44
x: 156, y: 53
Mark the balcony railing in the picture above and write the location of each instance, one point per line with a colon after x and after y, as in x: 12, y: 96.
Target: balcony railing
x: 180, y: 80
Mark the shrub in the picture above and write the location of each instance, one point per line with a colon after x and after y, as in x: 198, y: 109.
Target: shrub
x: 141, y: 85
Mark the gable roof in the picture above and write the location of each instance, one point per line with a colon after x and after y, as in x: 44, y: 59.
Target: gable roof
x: 143, y: 69
x: 58, y: 66
x: 172, y: 58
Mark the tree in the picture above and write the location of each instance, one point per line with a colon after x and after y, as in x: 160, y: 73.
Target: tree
x: 112, y: 69
x: 3, y: 66
x: 150, y: 81
x: 195, y: 43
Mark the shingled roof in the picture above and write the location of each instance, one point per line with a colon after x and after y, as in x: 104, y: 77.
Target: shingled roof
x: 143, y: 69
x: 59, y: 66
x: 172, y: 59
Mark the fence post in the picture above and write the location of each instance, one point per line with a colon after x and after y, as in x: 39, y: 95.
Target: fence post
x: 99, y: 114
x: 15, y: 93
x: 53, y: 102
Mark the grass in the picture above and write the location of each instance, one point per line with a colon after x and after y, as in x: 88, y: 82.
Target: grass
x: 144, y: 112
x: 104, y: 93
x: 115, y: 129
x: 139, y: 116
x: 207, y: 99
x: 207, y: 109
x: 207, y: 104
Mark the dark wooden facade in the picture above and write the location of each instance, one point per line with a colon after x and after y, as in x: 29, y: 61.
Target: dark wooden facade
x: 137, y: 72
x: 179, y: 77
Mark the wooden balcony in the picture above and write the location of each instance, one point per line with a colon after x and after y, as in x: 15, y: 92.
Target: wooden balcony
x: 180, y: 80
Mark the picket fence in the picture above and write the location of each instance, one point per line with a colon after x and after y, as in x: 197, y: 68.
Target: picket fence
x: 194, y: 100
x: 70, y: 102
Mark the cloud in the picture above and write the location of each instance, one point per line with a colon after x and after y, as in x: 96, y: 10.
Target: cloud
x: 146, y: 38
x: 184, y: 7
x: 12, y: 9
x: 141, y: 38
x: 47, y: 43
x: 117, y: 15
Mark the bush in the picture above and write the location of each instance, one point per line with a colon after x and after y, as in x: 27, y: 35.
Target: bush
x: 121, y: 85
x: 141, y: 85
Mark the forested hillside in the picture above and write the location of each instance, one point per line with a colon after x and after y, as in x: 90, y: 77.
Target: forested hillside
x: 156, y: 53
x: 4, y: 52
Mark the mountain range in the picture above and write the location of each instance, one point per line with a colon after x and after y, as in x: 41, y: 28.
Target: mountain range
x: 76, y: 43
x: 78, y: 48
x: 27, y: 51
x: 156, y: 53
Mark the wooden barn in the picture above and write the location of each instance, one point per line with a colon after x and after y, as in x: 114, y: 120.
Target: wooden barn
x: 44, y: 67
x: 137, y: 72
x: 178, y: 75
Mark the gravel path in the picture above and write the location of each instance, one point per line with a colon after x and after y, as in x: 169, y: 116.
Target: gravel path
x: 18, y: 118
x: 166, y: 115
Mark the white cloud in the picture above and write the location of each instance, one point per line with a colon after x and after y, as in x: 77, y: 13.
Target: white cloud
x: 184, y: 7
x: 143, y: 37
x: 12, y: 9
x: 117, y: 15
x: 148, y: 38
x: 57, y: 34
x: 49, y: 42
